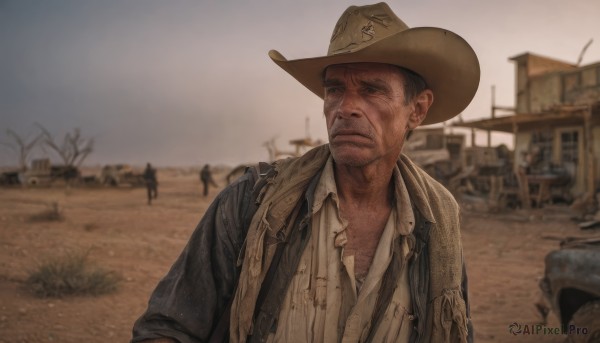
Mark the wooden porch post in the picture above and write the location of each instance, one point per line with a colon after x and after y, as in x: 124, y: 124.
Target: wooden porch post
x: 520, y: 172
x: 589, y: 149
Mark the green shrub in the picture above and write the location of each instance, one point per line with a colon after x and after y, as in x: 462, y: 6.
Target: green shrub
x: 71, y: 274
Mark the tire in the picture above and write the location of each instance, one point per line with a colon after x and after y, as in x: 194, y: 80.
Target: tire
x: 111, y: 181
x: 586, y: 317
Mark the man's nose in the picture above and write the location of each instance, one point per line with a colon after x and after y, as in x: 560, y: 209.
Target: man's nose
x: 349, y: 105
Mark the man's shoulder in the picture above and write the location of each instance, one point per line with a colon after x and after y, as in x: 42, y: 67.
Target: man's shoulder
x: 250, y: 178
x: 418, y: 170
x: 432, y: 189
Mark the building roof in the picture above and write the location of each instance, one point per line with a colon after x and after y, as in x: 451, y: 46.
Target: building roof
x: 539, y: 65
x: 560, y: 115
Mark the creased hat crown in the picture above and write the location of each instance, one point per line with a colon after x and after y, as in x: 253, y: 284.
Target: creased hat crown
x: 359, y: 27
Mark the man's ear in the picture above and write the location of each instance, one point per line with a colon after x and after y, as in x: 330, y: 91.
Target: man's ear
x: 422, y: 104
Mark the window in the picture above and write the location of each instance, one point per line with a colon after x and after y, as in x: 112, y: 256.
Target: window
x: 542, y: 141
x: 569, y: 145
x: 571, y: 82
x: 435, y: 141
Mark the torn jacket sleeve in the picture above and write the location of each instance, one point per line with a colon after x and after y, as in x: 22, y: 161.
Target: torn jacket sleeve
x: 189, y: 301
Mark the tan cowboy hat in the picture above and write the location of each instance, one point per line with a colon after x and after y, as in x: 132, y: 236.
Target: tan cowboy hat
x: 374, y: 33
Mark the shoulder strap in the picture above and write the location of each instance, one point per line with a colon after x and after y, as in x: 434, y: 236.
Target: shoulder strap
x: 278, y: 276
x: 393, y: 272
x: 260, y: 175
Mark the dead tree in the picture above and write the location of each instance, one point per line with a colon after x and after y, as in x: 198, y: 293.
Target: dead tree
x: 22, y: 146
x: 73, y: 149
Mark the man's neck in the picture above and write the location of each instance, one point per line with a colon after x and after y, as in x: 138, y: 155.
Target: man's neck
x: 364, y: 187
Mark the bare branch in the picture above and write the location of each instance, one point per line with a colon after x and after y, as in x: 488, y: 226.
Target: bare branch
x: 85, y: 151
x: 49, y: 142
x: 23, y: 147
x: 16, y: 137
x: 74, y: 148
x: 585, y: 47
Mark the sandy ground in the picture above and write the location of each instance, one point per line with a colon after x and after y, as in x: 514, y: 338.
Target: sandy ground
x: 504, y: 254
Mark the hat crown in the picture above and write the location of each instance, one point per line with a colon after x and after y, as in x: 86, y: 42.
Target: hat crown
x: 361, y: 26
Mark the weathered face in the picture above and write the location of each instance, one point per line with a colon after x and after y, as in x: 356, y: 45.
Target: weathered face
x: 366, y: 114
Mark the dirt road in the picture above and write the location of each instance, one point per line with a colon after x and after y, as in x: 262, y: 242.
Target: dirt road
x: 504, y: 254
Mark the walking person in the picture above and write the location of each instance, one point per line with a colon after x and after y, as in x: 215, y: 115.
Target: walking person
x: 151, y: 182
x: 206, y: 179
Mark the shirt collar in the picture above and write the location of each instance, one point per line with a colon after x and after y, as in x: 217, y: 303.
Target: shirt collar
x: 405, y: 218
x: 325, y: 187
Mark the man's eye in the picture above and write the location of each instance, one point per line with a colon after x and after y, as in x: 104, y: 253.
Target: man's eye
x: 371, y: 90
x: 333, y: 90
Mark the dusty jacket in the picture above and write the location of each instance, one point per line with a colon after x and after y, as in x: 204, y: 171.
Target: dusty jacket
x: 191, y: 299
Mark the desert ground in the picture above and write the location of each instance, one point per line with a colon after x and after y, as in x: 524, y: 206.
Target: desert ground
x: 120, y: 232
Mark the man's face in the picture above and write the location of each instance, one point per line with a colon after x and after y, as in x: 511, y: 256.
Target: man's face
x: 366, y: 114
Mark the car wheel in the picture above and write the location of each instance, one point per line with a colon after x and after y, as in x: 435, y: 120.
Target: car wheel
x: 584, y: 327
x: 111, y: 181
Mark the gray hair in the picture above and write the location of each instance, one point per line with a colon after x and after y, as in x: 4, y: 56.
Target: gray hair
x: 414, y: 84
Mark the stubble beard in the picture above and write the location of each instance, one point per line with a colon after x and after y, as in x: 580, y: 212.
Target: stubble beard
x: 349, y: 158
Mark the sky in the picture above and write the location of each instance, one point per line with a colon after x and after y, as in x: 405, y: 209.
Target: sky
x: 182, y: 83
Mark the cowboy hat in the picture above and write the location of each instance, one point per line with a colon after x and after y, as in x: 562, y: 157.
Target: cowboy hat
x: 373, y: 33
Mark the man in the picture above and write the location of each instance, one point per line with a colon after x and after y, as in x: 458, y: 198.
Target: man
x: 151, y: 182
x: 350, y: 242
x: 206, y: 179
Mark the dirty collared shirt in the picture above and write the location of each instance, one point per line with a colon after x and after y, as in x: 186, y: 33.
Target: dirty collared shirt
x: 324, y: 301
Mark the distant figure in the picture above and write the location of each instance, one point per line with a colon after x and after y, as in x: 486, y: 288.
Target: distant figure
x: 151, y: 182
x: 206, y: 178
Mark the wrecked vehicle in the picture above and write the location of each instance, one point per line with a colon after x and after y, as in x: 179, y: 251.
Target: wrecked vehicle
x: 9, y: 178
x: 44, y: 173
x: 571, y: 285
x: 121, y: 174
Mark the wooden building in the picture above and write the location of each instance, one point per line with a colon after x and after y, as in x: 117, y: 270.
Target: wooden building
x: 557, y: 115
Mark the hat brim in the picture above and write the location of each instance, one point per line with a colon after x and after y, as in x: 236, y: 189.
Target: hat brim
x: 445, y: 60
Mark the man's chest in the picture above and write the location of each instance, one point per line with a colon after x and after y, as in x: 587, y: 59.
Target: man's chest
x: 363, y: 231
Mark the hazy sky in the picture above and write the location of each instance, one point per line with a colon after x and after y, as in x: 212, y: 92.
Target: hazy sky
x: 188, y: 82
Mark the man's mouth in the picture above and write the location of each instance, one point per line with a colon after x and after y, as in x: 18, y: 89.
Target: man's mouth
x: 350, y: 138
x: 348, y: 133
